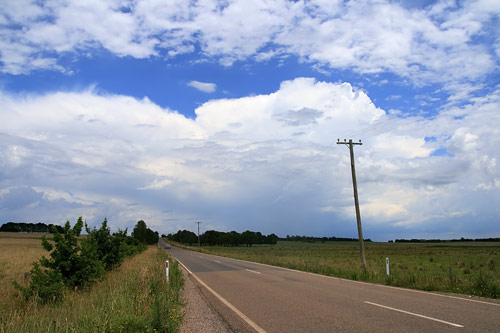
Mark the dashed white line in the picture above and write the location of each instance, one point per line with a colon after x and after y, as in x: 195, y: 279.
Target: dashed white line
x: 415, y: 314
x: 252, y: 271
x: 217, y: 261
x: 365, y: 283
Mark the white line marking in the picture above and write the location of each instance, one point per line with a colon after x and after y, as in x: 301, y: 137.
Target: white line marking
x: 367, y: 283
x: 252, y: 271
x: 414, y: 314
x: 223, y: 300
x: 217, y: 261
x: 361, y: 282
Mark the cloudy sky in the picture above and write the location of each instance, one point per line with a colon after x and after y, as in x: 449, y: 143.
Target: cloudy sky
x: 228, y: 112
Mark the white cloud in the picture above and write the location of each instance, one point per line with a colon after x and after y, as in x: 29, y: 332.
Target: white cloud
x: 267, y: 162
x: 436, y: 44
x: 203, y: 86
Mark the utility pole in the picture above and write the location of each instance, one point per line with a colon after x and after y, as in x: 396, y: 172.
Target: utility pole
x: 198, y: 223
x: 356, y: 201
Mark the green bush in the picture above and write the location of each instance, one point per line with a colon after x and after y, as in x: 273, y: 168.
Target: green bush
x: 484, y: 285
x: 78, y: 265
x: 45, y: 285
x: 72, y: 265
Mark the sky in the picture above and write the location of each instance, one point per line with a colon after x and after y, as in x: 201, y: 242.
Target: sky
x: 228, y: 112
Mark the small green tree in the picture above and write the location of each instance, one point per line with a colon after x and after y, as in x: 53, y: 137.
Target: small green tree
x: 106, y: 246
x: 69, y: 264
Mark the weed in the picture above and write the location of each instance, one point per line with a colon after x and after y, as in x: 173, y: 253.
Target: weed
x: 483, y: 286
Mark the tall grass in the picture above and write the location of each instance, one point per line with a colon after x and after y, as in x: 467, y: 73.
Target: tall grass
x: 475, y: 266
x: 134, y: 297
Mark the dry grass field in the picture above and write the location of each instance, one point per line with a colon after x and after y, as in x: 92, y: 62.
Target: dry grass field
x: 17, y: 252
x: 134, y: 297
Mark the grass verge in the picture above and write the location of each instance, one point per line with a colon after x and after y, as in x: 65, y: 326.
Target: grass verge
x: 134, y: 297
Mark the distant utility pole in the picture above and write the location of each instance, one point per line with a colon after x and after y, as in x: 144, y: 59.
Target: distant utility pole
x: 198, y: 223
x: 356, y: 201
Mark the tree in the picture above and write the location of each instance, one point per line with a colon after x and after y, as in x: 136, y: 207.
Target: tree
x: 140, y: 231
x: 248, y: 237
x: 145, y: 235
x: 271, y: 239
x: 233, y: 238
x: 69, y: 265
x: 77, y: 264
x: 109, y: 248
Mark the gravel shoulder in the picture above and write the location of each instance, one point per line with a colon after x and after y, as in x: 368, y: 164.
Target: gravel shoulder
x: 199, y: 315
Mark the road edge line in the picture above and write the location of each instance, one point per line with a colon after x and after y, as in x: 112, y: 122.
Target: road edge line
x: 224, y: 301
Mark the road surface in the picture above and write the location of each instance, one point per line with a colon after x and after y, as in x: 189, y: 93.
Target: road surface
x: 273, y: 299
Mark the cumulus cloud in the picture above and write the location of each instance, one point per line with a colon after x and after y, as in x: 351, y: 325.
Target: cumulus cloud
x: 440, y: 43
x: 269, y: 161
x: 203, y: 86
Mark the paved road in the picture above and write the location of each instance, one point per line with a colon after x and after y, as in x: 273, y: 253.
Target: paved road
x: 281, y: 300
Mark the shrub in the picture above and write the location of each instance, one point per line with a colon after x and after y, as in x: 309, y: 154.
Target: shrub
x: 484, y: 285
x: 78, y: 265
x: 73, y: 265
x: 45, y: 285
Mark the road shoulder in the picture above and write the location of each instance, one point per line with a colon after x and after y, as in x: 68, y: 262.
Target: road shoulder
x: 199, y: 315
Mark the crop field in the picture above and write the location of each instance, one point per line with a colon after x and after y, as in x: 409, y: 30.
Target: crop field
x: 133, y: 297
x: 475, y: 266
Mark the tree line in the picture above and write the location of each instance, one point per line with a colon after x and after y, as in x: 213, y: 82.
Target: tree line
x: 414, y: 240
x: 76, y: 262
x: 30, y: 227
x: 232, y: 238
x: 310, y: 239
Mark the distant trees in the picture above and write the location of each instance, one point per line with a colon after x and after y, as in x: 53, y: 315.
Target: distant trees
x: 311, y: 239
x: 462, y: 239
x: 232, y: 238
x: 143, y: 234
x: 30, y: 227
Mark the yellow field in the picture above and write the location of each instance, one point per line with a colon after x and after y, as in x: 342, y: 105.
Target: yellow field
x: 17, y: 252
x: 134, y: 297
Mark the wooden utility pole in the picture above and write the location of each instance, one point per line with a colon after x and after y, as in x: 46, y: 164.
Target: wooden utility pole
x: 198, y: 223
x: 356, y: 201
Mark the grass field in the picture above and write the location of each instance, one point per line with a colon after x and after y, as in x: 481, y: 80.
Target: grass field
x: 132, y: 298
x: 475, y: 266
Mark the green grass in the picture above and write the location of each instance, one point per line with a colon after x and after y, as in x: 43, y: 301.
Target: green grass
x: 475, y: 266
x: 132, y: 298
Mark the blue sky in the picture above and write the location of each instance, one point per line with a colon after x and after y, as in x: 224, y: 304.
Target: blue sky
x: 227, y: 112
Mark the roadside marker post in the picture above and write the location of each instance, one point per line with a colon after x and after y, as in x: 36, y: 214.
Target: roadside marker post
x: 166, y: 269
x: 387, y: 266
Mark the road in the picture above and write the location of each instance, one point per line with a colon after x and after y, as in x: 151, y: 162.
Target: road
x: 274, y: 299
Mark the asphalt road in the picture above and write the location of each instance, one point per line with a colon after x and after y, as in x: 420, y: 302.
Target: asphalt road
x: 274, y: 299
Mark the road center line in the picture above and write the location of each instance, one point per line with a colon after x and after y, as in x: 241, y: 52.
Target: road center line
x: 217, y: 261
x: 414, y: 314
x: 252, y: 271
x: 365, y: 283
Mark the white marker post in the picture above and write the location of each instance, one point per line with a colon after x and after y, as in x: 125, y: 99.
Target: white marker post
x: 166, y: 269
x: 387, y: 266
